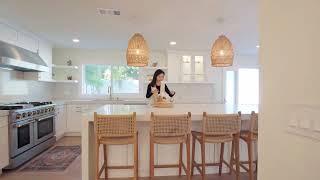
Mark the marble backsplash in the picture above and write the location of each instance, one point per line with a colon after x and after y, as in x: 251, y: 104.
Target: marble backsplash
x: 14, y: 88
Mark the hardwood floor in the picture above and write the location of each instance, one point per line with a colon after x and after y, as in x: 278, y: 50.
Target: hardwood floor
x: 74, y: 170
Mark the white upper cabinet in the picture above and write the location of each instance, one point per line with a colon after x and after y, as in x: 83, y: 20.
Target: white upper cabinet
x: 19, y: 38
x: 30, y: 42
x: 187, y: 67
x: 8, y: 34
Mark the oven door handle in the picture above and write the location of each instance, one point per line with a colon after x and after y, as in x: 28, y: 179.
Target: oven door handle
x: 41, y: 119
x: 17, y: 125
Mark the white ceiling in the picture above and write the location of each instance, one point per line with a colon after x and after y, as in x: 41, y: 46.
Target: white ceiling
x: 193, y: 24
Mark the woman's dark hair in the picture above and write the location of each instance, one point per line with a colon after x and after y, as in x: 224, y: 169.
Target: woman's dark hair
x: 155, y: 75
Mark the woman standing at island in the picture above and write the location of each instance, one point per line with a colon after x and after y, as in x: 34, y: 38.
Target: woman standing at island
x: 155, y: 85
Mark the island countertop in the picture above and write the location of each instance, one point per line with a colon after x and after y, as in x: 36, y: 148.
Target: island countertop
x: 143, y: 111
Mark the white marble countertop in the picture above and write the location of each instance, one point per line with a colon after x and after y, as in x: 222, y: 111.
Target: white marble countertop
x: 143, y: 111
x: 97, y: 101
x: 4, y: 113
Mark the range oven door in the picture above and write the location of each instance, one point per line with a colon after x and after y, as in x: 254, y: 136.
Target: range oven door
x: 21, y: 134
x: 44, y: 128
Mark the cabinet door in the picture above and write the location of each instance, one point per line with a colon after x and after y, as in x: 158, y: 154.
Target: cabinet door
x: 8, y: 34
x: 61, y: 123
x: 4, y: 142
x: 74, y: 118
x: 28, y: 42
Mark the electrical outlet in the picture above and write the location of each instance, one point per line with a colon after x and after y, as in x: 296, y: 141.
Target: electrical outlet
x: 304, y: 123
x: 316, y: 126
x: 293, y: 123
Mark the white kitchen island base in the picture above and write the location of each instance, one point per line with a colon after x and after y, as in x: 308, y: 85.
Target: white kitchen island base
x: 164, y: 154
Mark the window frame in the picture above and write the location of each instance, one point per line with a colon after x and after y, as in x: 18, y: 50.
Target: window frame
x: 106, y: 96
x: 236, y: 81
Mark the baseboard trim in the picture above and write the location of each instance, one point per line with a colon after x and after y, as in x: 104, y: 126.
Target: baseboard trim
x: 72, y: 134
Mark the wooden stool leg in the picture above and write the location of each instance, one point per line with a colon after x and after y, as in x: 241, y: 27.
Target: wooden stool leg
x: 151, y: 158
x: 105, y: 154
x: 203, y: 160
x: 188, y: 158
x: 193, y: 154
x: 136, y: 158
x: 180, y: 158
x: 250, y: 157
x: 231, y: 157
x: 237, y: 155
x: 221, y: 158
x: 97, y: 160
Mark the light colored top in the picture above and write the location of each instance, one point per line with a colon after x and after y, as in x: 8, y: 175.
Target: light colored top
x: 143, y: 111
x: 4, y: 113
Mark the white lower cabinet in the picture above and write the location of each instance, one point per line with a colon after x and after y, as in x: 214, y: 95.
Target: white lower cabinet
x: 74, y: 117
x: 4, y: 142
x: 61, y: 120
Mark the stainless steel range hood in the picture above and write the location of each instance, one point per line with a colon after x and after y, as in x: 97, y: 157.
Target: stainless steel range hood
x: 17, y: 58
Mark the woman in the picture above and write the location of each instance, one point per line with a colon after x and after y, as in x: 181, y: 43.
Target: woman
x: 154, y: 85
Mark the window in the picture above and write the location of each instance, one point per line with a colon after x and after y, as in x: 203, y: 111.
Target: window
x: 97, y: 79
x: 248, y: 86
x: 230, y: 88
x: 242, y: 86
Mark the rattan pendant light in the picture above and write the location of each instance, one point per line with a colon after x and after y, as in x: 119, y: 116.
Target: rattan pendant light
x: 138, y: 51
x: 222, y: 52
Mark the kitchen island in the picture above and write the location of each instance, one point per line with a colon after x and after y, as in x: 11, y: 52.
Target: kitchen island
x: 164, y: 154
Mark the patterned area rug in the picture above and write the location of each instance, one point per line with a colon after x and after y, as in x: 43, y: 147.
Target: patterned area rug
x: 56, y: 159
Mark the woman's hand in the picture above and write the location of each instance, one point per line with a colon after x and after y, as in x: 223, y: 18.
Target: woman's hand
x: 154, y: 90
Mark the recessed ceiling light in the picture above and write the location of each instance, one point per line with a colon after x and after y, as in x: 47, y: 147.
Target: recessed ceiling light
x: 172, y: 43
x: 75, y: 40
x: 258, y: 46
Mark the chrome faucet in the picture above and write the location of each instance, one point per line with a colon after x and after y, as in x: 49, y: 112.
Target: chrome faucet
x: 110, y: 92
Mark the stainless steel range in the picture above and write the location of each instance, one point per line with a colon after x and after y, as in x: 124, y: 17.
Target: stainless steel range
x: 31, y: 130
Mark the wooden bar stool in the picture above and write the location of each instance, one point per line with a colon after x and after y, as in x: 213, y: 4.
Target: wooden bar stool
x: 250, y: 136
x: 170, y: 129
x: 217, y: 129
x: 115, y: 130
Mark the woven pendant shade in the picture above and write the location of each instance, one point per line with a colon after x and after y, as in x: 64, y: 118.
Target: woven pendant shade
x: 222, y: 52
x: 138, y: 51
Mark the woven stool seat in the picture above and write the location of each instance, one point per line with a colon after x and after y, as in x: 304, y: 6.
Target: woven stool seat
x: 213, y: 138
x: 246, y: 135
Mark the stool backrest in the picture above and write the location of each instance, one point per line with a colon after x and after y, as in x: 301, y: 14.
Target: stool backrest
x: 170, y: 125
x: 254, y: 122
x: 115, y: 125
x: 221, y: 124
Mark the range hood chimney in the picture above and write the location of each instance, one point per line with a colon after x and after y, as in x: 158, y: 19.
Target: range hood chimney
x: 17, y: 58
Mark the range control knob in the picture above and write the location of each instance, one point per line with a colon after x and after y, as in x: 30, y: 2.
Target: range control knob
x: 18, y: 116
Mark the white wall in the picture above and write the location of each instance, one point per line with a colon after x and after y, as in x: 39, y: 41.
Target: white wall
x: 13, y: 88
x: 289, y: 54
